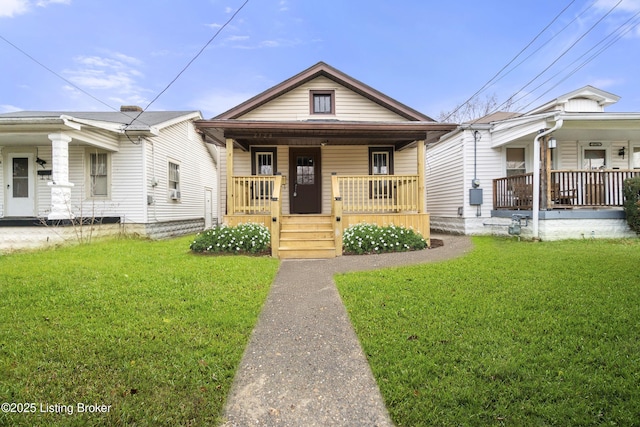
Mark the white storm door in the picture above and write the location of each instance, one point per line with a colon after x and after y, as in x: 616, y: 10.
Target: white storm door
x: 19, y: 185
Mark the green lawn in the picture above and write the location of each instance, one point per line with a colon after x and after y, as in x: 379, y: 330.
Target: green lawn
x: 515, y: 333
x: 145, y: 327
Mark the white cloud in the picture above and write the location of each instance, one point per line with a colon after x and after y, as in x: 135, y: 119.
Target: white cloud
x: 11, y: 8
x: 6, y: 108
x: 237, y: 38
x: 113, y: 74
x: 45, y: 3
x: 215, y: 102
x: 626, y: 5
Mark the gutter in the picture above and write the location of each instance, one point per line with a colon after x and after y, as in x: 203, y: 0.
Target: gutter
x: 536, y: 176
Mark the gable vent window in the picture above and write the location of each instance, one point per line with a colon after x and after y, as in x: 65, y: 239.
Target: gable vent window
x: 322, y: 102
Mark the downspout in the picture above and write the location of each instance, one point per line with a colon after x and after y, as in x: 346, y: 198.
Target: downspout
x: 536, y: 177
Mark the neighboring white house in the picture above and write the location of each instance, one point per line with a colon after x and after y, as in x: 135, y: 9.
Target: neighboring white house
x: 558, y: 168
x: 152, y: 176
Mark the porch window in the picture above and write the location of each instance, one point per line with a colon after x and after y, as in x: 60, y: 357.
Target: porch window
x: 174, y: 181
x: 380, y: 163
x: 98, y: 174
x: 322, y: 102
x: 515, y: 161
x: 635, y: 158
x: 594, y: 159
x: 263, y: 163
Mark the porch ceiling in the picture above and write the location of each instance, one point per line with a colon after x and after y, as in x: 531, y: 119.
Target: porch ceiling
x: 246, y: 133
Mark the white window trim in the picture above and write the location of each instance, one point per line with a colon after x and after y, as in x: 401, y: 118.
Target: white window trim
x: 88, y: 184
x: 170, y: 191
x: 584, y: 145
x: 633, y: 147
x: 527, y: 159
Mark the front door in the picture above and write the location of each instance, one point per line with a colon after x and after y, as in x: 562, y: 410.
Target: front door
x: 19, y: 185
x: 304, y: 191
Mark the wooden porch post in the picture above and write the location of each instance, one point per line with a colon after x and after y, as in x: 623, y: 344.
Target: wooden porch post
x: 230, y: 196
x: 421, y: 189
x: 545, y: 175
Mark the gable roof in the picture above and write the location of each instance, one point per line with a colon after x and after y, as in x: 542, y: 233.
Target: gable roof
x: 602, y: 97
x: 325, y: 70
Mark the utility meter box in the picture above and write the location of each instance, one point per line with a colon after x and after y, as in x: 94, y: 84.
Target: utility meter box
x: 475, y: 196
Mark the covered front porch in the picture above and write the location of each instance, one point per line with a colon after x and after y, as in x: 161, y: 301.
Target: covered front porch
x: 563, y: 189
x: 321, y: 178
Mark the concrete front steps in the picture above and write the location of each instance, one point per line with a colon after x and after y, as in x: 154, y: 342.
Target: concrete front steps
x: 306, y: 236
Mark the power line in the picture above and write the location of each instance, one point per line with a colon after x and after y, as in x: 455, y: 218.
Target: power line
x: 488, y: 83
x: 56, y: 74
x: 190, y: 62
x: 548, y: 41
x: 63, y: 78
x: 560, y: 56
x: 622, y: 32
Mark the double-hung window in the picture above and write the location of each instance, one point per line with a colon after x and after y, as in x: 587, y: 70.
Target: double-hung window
x: 322, y: 102
x: 98, y: 174
x: 515, y: 161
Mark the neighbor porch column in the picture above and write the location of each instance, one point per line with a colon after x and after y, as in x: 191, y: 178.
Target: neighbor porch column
x: 421, y: 189
x: 230, y: 196
x: 60, y: 185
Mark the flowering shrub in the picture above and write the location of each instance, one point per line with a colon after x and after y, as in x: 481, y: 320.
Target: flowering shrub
x: 368, y: 239
x: 244, y: 238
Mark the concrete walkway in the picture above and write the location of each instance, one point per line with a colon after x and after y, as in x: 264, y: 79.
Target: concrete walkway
x: 304, y: 365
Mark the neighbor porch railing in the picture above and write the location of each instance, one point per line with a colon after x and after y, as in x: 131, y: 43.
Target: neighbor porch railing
x: 378, y: 194
x: 566, y: 189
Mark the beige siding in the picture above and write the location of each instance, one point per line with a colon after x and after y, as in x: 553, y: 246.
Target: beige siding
x: 343, y: 160
x: 294, y: 105
x: 406, y: 162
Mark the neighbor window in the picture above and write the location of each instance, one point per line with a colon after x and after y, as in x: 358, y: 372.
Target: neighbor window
x: 98, y: 174
x: 635, y: 158
x: 174, y: 181
x: 515, y: 161
x: 322, y: 102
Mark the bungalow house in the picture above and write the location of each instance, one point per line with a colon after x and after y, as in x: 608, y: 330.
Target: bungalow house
x: 555, y: 172
x: 154, y: 176
x: 317, y: 153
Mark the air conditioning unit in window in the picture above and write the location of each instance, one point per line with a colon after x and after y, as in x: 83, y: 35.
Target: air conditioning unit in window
x: 174, y: 194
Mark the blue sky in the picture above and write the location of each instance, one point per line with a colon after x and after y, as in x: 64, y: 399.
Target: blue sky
x: 429, y: 55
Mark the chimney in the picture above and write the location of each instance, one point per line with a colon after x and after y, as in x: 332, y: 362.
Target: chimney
x: 130, y: 109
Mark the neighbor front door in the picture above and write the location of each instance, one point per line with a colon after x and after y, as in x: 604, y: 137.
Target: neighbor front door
x: 19, y: 185
x: 304, y: 190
